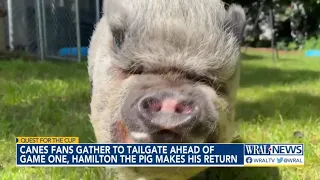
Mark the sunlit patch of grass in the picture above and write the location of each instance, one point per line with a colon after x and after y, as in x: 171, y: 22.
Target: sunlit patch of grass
x: 278, y: 99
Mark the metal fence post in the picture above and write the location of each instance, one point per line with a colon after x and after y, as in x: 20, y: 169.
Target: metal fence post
x: 97, y: 11
x: 40, y: 28
x: 78, y: 30
x: 44, y: 27
x: 273, y: 43
x: 10, y: 24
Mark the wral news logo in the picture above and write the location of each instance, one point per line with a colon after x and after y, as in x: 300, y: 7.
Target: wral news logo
x: 273, y: 154
x: 274, y: 149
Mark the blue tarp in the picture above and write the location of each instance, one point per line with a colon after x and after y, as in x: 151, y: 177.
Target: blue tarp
x: 313, y: 53
x: 73, y: 51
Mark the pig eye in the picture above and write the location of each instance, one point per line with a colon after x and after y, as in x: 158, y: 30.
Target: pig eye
x: 221, y: 89
x: 118, y: 37
x: 135, y: 70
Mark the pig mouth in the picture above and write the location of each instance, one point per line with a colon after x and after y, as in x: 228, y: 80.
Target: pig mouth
x: 124, y: 135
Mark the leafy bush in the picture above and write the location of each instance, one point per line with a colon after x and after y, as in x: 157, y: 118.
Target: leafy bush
x: 312, y: 43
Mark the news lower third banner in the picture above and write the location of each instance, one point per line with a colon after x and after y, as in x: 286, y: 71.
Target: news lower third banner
x: 67, y: 151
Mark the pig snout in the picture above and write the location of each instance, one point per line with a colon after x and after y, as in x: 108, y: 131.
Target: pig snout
x: 168, y: 116
x: 168, y: 111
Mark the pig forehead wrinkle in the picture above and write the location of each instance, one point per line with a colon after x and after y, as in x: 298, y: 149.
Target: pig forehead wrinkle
x: 160, y: 80
x: 145, y: 84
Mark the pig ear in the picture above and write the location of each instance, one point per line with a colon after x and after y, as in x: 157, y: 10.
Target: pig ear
x: 235, y: 21
x: 115, y: 12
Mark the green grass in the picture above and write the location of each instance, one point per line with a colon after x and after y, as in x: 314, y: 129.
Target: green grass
x: 312, y: 43
x: 52, y: 99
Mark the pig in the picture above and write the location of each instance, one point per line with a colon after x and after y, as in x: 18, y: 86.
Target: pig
x: 165, y: 72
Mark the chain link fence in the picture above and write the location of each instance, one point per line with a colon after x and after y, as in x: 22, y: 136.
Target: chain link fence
x: 3, y: 27
x: 59, y: 29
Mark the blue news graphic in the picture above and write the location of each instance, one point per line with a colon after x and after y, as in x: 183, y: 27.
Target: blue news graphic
x: 205, y: 155
x: 130, y: 154
x: 273, y: 149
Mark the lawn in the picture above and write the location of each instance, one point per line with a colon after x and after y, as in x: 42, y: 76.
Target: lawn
x: 52, y: 99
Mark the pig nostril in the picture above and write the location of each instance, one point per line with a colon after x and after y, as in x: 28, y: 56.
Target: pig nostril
x: 184, y: 108
x: 151, y: 104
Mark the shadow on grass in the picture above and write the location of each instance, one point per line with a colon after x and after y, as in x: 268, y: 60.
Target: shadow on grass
x: 250, y: 57
x: 253, y: 76
x: 289, y: 105
x: 19, y: 70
